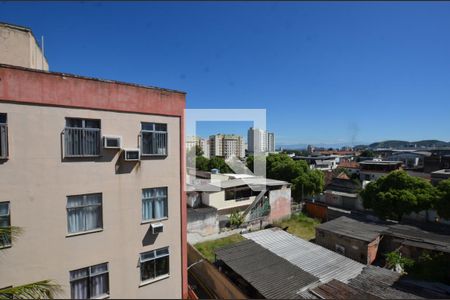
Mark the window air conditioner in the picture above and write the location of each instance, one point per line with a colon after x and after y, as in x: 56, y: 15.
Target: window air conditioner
x: 131, y: 154
x: 157, y: 228
x: 112, y: 142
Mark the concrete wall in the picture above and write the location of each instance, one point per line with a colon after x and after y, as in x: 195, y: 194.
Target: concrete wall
x: 18, y: 47
x: 280, y: 204
x: 204, y: 221
x: 355, y: 249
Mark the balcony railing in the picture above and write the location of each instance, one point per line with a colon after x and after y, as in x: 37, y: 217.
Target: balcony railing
x: 82, y: 142
x: 3, y: 141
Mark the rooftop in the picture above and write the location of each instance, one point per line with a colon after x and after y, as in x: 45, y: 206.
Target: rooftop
x: 352, y: 228
x: 271, y: 275
x: 380, y: 162
x: 314, y: 259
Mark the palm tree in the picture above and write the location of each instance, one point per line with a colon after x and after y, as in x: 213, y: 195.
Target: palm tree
x: 45, y: 289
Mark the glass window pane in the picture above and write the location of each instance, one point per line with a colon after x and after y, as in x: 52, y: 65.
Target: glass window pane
x: 70, y: 122
x: 78, y: 274
x: 161, y: 127
x: 79, y: 289
x: 147, y: 270
x: 4, y: 208
x: 92, y: 123
x: 147, y: 209
x: 75, y: 201
x: 148, y: 126
x: 99, y: 269
x: 2, y: 118
x: 76, y: 220
x: 99, y: 285
x: 92, y: 217
x: 163, y: 251
x: 162, y: 266
x: 93, y: 199
x: 147, y: 255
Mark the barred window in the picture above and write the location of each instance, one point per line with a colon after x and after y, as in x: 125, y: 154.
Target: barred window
x: 82, y: 137
x: 3, y: 136
x: 153, y: 139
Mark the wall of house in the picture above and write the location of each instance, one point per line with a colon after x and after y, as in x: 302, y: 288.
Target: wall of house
x: 354, y: 249
x: 36, y: 179
x: 18, y: 47
x: 204, y: 221
x: 217, y: 200
x: 280, y: 204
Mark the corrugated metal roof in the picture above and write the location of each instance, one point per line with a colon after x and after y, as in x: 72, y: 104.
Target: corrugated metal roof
x: 312, y: 258
x: 271, y: 275
x: 335, y: 289
x: 354, y: 229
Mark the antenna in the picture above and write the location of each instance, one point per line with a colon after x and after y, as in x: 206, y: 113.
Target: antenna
x: 43, y: 55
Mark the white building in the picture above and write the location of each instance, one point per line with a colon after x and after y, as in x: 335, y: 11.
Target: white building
x: 227, y: 145
x: 260, y: 141
x: 203, y: 144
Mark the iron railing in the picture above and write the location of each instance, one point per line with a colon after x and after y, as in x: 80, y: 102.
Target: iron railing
x: 153, y: 142
x: 3, y: 141
x: 82, y: 142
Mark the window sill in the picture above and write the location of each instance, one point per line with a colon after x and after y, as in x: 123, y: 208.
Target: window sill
x: 105, y: 296
x: 147, y: 282
x: 5, y: 247
x: 84, y: 232
x: 154, y: 155
x: 154, y: 221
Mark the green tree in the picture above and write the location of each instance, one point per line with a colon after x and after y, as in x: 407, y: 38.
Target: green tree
x: 397, y: 194
x: 198, y: 151
x: 367, y: 153
x: 443, y: 203
x: 308, y: 183
x: 202, y: 163
x: 395, y: 259
x: 45, y: 289
x: 220, y: 164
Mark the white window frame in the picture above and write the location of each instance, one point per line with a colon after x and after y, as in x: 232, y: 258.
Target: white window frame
x: 152, y: 256
x: 82, y: 131
x: 88, y: 277
x: 84, y: 206
x: 155, y: 133
x: 152, y: 200
x: 8, y: 217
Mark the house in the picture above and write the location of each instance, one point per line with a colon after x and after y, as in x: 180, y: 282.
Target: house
x: 342, y: 192
x: 322, y: 162
x: 411, y: 159
x: 356, y: 240
x: 438, y: 176
x: 374, y: 169
x: 91, y: 170
x: 272, y: 263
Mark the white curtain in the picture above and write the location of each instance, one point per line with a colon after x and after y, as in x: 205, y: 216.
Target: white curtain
x: 84, y: 213
x: 75, y: 216
x: 79, y: 284
x: 154, y: 203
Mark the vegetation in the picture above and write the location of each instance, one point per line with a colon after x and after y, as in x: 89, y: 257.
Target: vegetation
x: 304, y: 181
x: 204, y: 164
x: 443, y: 203
x: 397, y: 194
x: 236, y: 219
x: 367, y: 153
x: 394, y: 260
x: 431, y: 267
x: 45, y: 289
x: 207, y: 249
x: 300, y: 225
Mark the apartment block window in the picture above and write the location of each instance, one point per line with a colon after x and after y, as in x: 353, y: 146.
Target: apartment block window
x: 90, y: 282
x: 154, y: 203
x: 5, y: 222
x: 84, y: 213
x: 154, y: 139
x: 3, y: 136
x: 154, y: 264
x: 82, y: 138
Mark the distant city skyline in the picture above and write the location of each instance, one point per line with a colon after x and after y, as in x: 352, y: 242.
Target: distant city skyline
x: 327, y: 73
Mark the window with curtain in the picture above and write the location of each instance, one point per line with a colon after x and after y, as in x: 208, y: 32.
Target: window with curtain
x: 5, y: 222
x: 90, y: 282
x: 154, y: 264
x: 153, y: 139
x: 84, y: 212
x: 154, y: 203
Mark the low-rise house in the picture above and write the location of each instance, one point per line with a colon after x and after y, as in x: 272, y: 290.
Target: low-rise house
x: 374, y: 169
x: 438, y: 176
x: 411, y: 159
x: 351, y: 238
x: 323, y: 162
x: 343, y: 192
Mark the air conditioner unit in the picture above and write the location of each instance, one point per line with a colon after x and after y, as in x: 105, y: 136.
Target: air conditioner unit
x: 157, y: 228
x: 131, y: 154
x: 112, y: 142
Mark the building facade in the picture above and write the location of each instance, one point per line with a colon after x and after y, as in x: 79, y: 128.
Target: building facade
x: 196, y: 141
x: 226, y: 145
x: 260, y: 141
x: 91, y: 171
x: 19, y: 47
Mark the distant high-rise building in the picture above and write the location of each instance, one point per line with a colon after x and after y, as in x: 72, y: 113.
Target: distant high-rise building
x: 226, y: 145
x: 203, y: 144
x: 260, y: 141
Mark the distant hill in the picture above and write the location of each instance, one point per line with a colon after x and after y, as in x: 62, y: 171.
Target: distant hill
x: 406, y: 144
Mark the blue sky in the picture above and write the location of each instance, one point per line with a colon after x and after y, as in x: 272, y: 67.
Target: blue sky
x: 326, y: 72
